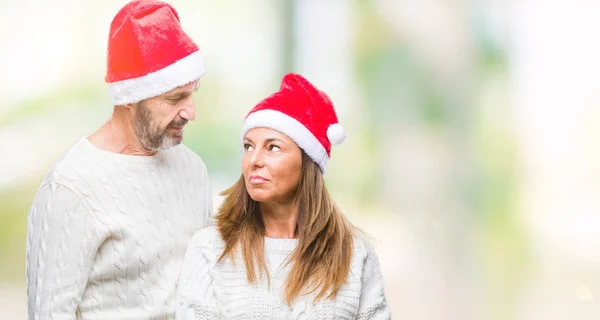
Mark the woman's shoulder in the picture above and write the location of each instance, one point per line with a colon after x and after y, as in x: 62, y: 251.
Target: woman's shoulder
x: 364, y: 244
x: 207, y: 238
x: 365, y: 261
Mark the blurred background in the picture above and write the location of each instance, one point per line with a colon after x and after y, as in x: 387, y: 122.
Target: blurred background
x: 473, y: 129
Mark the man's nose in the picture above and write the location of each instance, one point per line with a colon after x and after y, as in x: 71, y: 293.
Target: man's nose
x: 188, y: 112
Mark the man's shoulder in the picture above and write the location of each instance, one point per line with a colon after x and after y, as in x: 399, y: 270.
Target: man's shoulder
x: 69, y: 166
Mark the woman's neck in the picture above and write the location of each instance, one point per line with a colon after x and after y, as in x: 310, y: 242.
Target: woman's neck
x: 280, y: 220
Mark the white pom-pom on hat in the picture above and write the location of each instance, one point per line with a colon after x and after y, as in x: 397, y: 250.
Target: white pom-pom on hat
x: 336, y: 133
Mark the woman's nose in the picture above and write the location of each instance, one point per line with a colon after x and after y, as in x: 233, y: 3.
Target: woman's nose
x: 257, y: 159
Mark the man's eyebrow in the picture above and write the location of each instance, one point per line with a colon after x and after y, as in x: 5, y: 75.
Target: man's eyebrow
x: 178, y: 95
x: 182, y: 93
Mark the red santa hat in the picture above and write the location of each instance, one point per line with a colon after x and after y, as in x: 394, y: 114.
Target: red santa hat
x: 304, y: 114
x: 149, y: 53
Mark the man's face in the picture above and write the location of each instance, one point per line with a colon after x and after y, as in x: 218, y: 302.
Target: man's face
x: 159, y: 121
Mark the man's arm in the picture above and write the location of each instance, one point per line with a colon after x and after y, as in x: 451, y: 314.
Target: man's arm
x: 209, y: 211
x: 62, y: 240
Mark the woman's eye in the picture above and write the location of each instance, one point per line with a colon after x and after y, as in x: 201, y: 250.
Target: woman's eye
x: 247, y: 147
x: 274, y: 147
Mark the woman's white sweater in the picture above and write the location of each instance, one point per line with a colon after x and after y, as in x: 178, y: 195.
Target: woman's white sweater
x: 211, y: 290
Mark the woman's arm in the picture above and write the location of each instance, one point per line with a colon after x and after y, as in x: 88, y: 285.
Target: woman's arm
x: 372, y: 299
x: 195, y: 293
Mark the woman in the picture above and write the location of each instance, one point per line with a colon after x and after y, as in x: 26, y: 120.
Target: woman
x: 280, y: 248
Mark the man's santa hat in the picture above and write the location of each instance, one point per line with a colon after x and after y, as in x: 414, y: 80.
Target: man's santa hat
x: 149, y: 53
x: 304, y: 114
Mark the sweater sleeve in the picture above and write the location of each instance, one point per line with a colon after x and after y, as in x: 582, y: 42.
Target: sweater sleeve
x: 195, y: 293
x: 209, y: 214
x: 62, y: 241
x: 372, y: 298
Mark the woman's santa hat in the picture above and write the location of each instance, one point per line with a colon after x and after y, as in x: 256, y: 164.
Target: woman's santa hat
x: 303, y: 113
x: 149, y: 53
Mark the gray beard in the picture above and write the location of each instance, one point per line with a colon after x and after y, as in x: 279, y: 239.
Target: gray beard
x: 150, y: 135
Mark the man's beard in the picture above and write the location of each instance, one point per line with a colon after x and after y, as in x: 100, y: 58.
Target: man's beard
x: 151, y: 136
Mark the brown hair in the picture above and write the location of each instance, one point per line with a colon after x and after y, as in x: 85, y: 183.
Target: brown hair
x: 321, y: 261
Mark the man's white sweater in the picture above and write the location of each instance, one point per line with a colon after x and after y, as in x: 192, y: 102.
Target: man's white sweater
x: 107, y: 233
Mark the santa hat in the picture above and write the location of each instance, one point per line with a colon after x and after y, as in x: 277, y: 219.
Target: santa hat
x: 303, y: 113
x: 149, y: 53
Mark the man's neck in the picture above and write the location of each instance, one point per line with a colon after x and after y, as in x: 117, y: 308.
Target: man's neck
x: 117, y: 135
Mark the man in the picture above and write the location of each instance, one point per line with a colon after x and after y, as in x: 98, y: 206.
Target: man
x: 110, y: 223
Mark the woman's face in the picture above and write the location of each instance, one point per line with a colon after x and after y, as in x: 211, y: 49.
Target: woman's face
x: 271, y: 166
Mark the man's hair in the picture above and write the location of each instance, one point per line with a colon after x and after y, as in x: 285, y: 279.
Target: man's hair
x: 321, y: 261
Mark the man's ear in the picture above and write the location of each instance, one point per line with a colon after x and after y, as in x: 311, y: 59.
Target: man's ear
x: 124, y: 109
x: 131, y: 107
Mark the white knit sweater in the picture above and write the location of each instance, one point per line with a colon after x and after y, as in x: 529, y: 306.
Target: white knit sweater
x: 107, y: 233
x: 211, y: 290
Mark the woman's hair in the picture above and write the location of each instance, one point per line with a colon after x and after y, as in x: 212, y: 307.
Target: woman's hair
x: 321, y: 261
